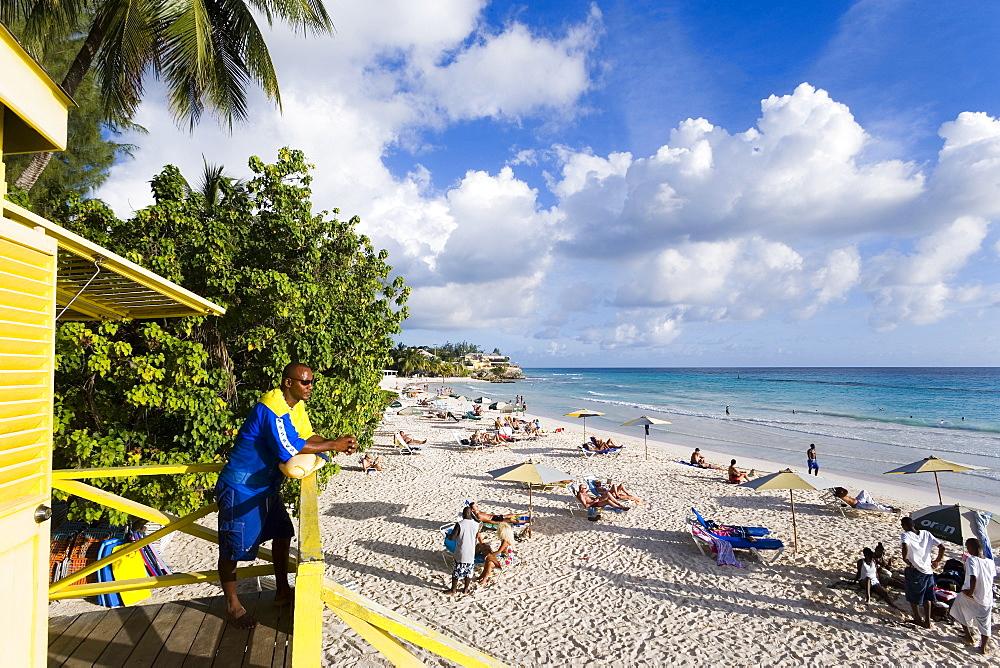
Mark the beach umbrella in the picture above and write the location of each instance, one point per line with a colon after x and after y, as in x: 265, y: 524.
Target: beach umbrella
x: 645, y: 421
x: 956, y: 523
x: 790, y: 480
x: 583, y: 413
x: 933, y: 465
x: 395, y: 404
x: 411, y: 410
x: 531, y: 473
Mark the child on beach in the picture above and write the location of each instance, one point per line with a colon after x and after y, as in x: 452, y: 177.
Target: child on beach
x: 867, y: 577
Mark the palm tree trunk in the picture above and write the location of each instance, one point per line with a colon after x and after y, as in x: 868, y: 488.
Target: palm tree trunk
x: 78, y: 70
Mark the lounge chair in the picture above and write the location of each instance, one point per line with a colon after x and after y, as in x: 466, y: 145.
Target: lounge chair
x: 403, y: 447
x: 753, y: 532
x: 754, y: 545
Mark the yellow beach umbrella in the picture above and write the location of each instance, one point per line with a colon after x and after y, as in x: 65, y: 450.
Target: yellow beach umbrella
x: 790, y: 480
x: 530, y: 473
x: 933, y: 465
x: 645, y: 421
x: 583, y: 413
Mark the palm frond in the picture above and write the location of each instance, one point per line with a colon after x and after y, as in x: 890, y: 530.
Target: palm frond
x: 303, y: 15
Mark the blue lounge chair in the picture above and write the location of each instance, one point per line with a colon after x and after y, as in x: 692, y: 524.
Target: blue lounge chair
x: 753, y: 532
x: 754, y: 545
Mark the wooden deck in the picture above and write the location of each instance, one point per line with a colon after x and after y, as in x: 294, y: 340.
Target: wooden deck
x: 180, y: 633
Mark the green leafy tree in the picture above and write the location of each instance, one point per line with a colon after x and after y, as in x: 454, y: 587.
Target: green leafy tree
x: 297, y: 285
x: 205, y: 52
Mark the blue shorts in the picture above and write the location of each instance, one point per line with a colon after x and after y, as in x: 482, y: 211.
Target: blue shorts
x: 919, y: 586
x: 813, y: 464
x: 247, y: 518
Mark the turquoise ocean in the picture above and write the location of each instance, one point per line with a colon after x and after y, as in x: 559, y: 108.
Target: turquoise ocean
x: 864, y: 421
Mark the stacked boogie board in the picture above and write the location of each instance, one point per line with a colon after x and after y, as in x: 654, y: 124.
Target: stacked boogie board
x: 139, y: 564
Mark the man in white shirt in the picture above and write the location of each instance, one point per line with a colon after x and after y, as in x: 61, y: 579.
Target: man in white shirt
x: 466, y: 537
x: 974, y: 605
x: 919, y: 573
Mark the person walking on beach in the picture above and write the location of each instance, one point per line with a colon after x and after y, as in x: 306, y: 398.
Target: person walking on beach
x: 811, y: 460
x: 974, y: 604
x: 466, y: 536
x: 727, y: 410
x: 919, y: 573
x: 250, y: 507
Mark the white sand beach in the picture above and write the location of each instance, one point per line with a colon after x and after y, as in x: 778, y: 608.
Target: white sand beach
x: 631, y: 589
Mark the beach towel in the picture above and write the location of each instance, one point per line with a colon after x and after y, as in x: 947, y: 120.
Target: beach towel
x: 722, y: 549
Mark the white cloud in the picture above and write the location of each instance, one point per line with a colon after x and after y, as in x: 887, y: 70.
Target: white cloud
x: 515, y: 73
x: 915, y: 288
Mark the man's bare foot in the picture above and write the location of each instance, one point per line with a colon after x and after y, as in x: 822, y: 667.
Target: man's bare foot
x: 242, y: 619
x: 284, y: 598
x: 448, y: 592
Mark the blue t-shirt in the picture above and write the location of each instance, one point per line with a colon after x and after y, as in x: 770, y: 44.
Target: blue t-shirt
x: 273, y: 432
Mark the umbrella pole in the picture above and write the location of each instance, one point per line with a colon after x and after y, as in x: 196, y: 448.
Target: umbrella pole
x: 795, y: 528
x: 645, y: 442
x: 531, y: 508
x: 940, y: 500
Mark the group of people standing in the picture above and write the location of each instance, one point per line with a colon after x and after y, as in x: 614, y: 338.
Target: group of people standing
x: 922, y: 552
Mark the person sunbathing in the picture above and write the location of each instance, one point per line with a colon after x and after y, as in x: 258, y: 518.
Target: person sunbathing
x: 369, y: 464
x: 484, y: 438
x: 615, y: 490
x: 864, y: 501
x: 597, y: 445
x: 500, y: 558
x: 483, y: 516
x: 589, y: 500
x: 735, y: 475
x: 409, y: 440
x: 867, y: 577
x: 698, y: 459
x: 477, y: 409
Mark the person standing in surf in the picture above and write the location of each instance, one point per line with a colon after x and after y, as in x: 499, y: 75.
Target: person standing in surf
x: 811, y: 460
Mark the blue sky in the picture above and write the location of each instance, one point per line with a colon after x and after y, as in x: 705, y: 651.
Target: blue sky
x: 653, y: 183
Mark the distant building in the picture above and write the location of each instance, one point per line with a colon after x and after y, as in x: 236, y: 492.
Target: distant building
x: 484, y: 362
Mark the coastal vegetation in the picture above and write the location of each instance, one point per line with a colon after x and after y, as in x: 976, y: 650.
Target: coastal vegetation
x: 298, y: 285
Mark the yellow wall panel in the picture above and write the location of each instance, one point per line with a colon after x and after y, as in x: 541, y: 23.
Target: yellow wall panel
x: 24, y: 330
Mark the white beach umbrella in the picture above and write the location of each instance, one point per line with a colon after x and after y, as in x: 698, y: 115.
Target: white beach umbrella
x: 583, y: 413
x: 645, y: 421
x: 790, y: 480
x: 933, y: 465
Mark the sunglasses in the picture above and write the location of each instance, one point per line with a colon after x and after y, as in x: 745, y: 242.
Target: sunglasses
x: 307, y: 383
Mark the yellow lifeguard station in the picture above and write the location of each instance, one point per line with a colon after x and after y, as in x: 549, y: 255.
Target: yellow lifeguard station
x: 48, y: 273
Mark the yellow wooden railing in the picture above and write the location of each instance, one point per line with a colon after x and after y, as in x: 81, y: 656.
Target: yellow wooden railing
x: 378, y: 625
